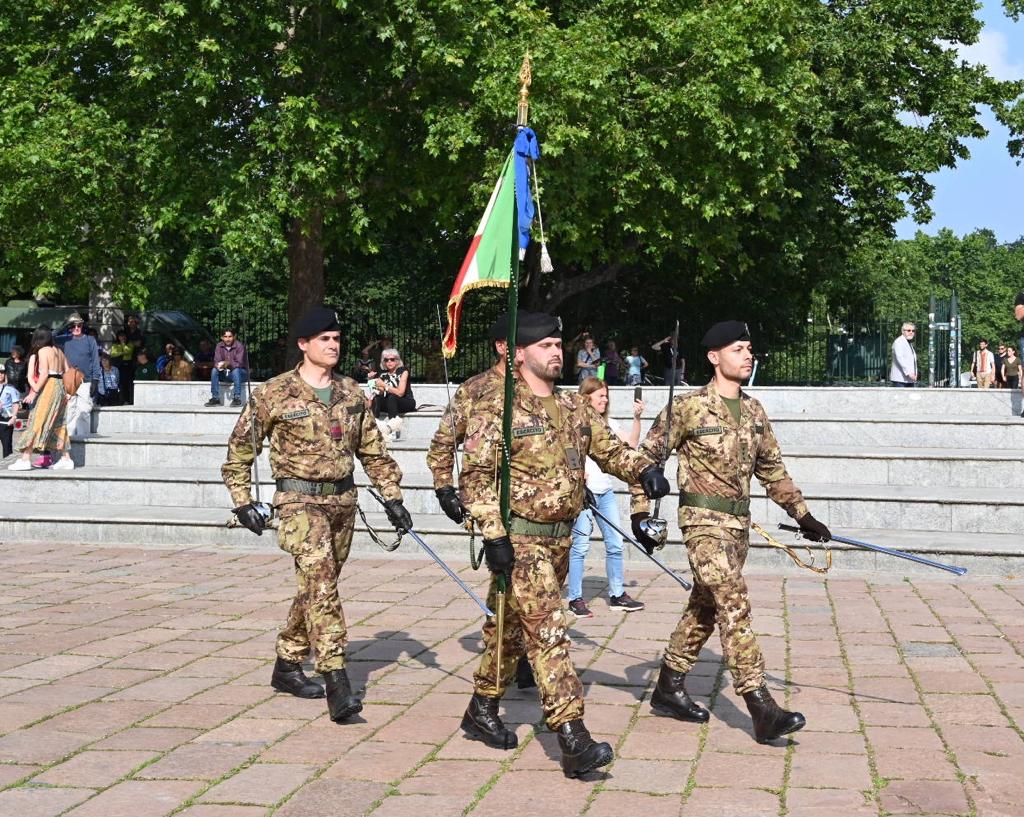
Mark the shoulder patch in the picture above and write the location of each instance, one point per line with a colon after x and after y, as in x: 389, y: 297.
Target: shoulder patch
x: 529, y: 431
x: 586, y: 431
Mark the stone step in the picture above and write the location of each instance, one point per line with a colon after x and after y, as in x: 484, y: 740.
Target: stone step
x: 893, y: 431
x: 177, y: 527
x: 897, y: 507
x: 850, y: 463
x: 819, y: 401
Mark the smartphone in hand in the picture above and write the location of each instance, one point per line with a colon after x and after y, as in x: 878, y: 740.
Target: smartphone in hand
x: 638, y: 393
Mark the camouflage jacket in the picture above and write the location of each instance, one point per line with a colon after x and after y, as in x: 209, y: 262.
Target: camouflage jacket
x: 441, y: 455
x: 717, y: 457
x: 287, y: 412
x: 546, y: 460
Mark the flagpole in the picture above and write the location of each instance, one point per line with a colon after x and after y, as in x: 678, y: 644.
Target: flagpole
x: 501, y: 588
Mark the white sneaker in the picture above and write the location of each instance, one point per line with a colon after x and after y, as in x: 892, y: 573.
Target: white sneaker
x: 20, y: 465
x: 65, y: 463
x: 395, y: 427
x: 385, y: 429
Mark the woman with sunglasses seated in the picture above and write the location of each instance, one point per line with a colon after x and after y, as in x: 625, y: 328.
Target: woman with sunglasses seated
x: 393, y: 395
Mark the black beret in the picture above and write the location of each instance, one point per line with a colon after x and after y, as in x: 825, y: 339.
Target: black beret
x: 724, y: 333
x: 315, y: 320
x: 535, y: 326
x: 499, y: 329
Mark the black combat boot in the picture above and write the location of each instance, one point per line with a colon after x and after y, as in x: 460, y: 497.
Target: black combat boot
x: 770, y: 720
x: 341, y: 703
x: 290, y: 678
x: 481, y: 722
x: 670, y: 697
x: 524, y: 675
x: 580, y: 752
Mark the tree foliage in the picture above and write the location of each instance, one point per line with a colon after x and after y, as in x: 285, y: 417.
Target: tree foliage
x: 701, y: 149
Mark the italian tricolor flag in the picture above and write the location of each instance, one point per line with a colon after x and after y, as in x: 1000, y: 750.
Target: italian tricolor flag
x: 489, y: 260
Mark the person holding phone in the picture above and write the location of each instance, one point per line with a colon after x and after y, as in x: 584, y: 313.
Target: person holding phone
x: 602, y: 486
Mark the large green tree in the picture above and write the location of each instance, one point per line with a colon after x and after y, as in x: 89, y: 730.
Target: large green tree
x: 688, y: 145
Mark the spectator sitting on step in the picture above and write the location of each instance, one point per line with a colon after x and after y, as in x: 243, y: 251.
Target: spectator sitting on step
x: 145, y: 369
x: 393, y: 393
x: 230, y: 362
x: 164, y: 360
x: 203, y: 360
x: 110, y: 383
x: 179, y: 368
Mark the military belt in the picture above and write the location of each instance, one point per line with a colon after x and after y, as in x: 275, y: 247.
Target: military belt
x: 305, y: 486
x: 518, y: 526
x: 736, y: 507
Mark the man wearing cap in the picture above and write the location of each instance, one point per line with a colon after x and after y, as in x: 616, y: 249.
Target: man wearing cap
x: 477, y: 391
x: 316, y: 422
x: 722, y: 437
x: 83, y: 353
x: 452, y: 430
x: 552, y: 435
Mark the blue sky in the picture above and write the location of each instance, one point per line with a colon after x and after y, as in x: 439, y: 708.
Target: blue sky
x: 988, y: 189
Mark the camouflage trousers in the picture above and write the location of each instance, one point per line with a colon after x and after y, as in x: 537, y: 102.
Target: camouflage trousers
x: 719, y: 596
x: 319, y: 537
x: 535, y: 625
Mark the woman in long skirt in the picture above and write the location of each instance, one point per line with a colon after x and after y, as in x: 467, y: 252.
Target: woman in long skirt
x: 46, y: 429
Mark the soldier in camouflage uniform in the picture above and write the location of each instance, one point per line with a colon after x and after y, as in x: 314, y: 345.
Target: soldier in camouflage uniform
x: 452, y: 430
x: 723, y: 437
x: 451, y: 433
x: 552, y: 435
x: 316, y: 423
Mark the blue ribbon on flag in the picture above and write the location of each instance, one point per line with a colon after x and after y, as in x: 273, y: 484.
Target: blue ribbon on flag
x: 526, y: 147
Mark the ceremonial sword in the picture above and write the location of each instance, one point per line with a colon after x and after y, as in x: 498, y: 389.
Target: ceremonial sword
x: 655, y: 526
x: 901, y: 554
x: 440, y: 562
x: 685, y: 584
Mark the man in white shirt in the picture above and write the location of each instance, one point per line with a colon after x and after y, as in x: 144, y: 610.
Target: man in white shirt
x: 983, y: 366
x: 904, y: 359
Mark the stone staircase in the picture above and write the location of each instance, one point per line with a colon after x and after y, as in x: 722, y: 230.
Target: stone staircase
x: 936, y: 472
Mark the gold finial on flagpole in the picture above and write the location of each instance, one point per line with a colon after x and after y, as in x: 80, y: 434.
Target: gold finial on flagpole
x: 525, y: 78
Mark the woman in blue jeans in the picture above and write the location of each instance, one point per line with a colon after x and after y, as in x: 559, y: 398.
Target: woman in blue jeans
x: 603, y: 488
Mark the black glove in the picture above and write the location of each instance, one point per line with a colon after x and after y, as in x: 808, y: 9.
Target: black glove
x: 250, y: 516
x: 588, y: 497
x: 453, y: 508
x: 812, y: 529
x: 652, y: 480
x: 398, y: 515
x: 500, y: 556
x: 650, y: 545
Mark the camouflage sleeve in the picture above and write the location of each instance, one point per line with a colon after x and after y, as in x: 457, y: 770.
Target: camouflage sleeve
x: 612, y: 454
x: 771, y: 473
x: 441, y: 454
x: 236, y: 469
x: 379, y: 465
x: 478, y: 483
x: 653, y: 446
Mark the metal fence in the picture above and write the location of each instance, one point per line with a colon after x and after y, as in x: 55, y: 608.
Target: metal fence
x: 834, y: 346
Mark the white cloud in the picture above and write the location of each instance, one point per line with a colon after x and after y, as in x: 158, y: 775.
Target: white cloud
x: 993, y: 50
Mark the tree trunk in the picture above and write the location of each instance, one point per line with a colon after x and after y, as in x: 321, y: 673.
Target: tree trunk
x: 307, y: 286
x: 104, y: 314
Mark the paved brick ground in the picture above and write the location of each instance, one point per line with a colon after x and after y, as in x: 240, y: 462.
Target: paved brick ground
x: 134, y: 682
